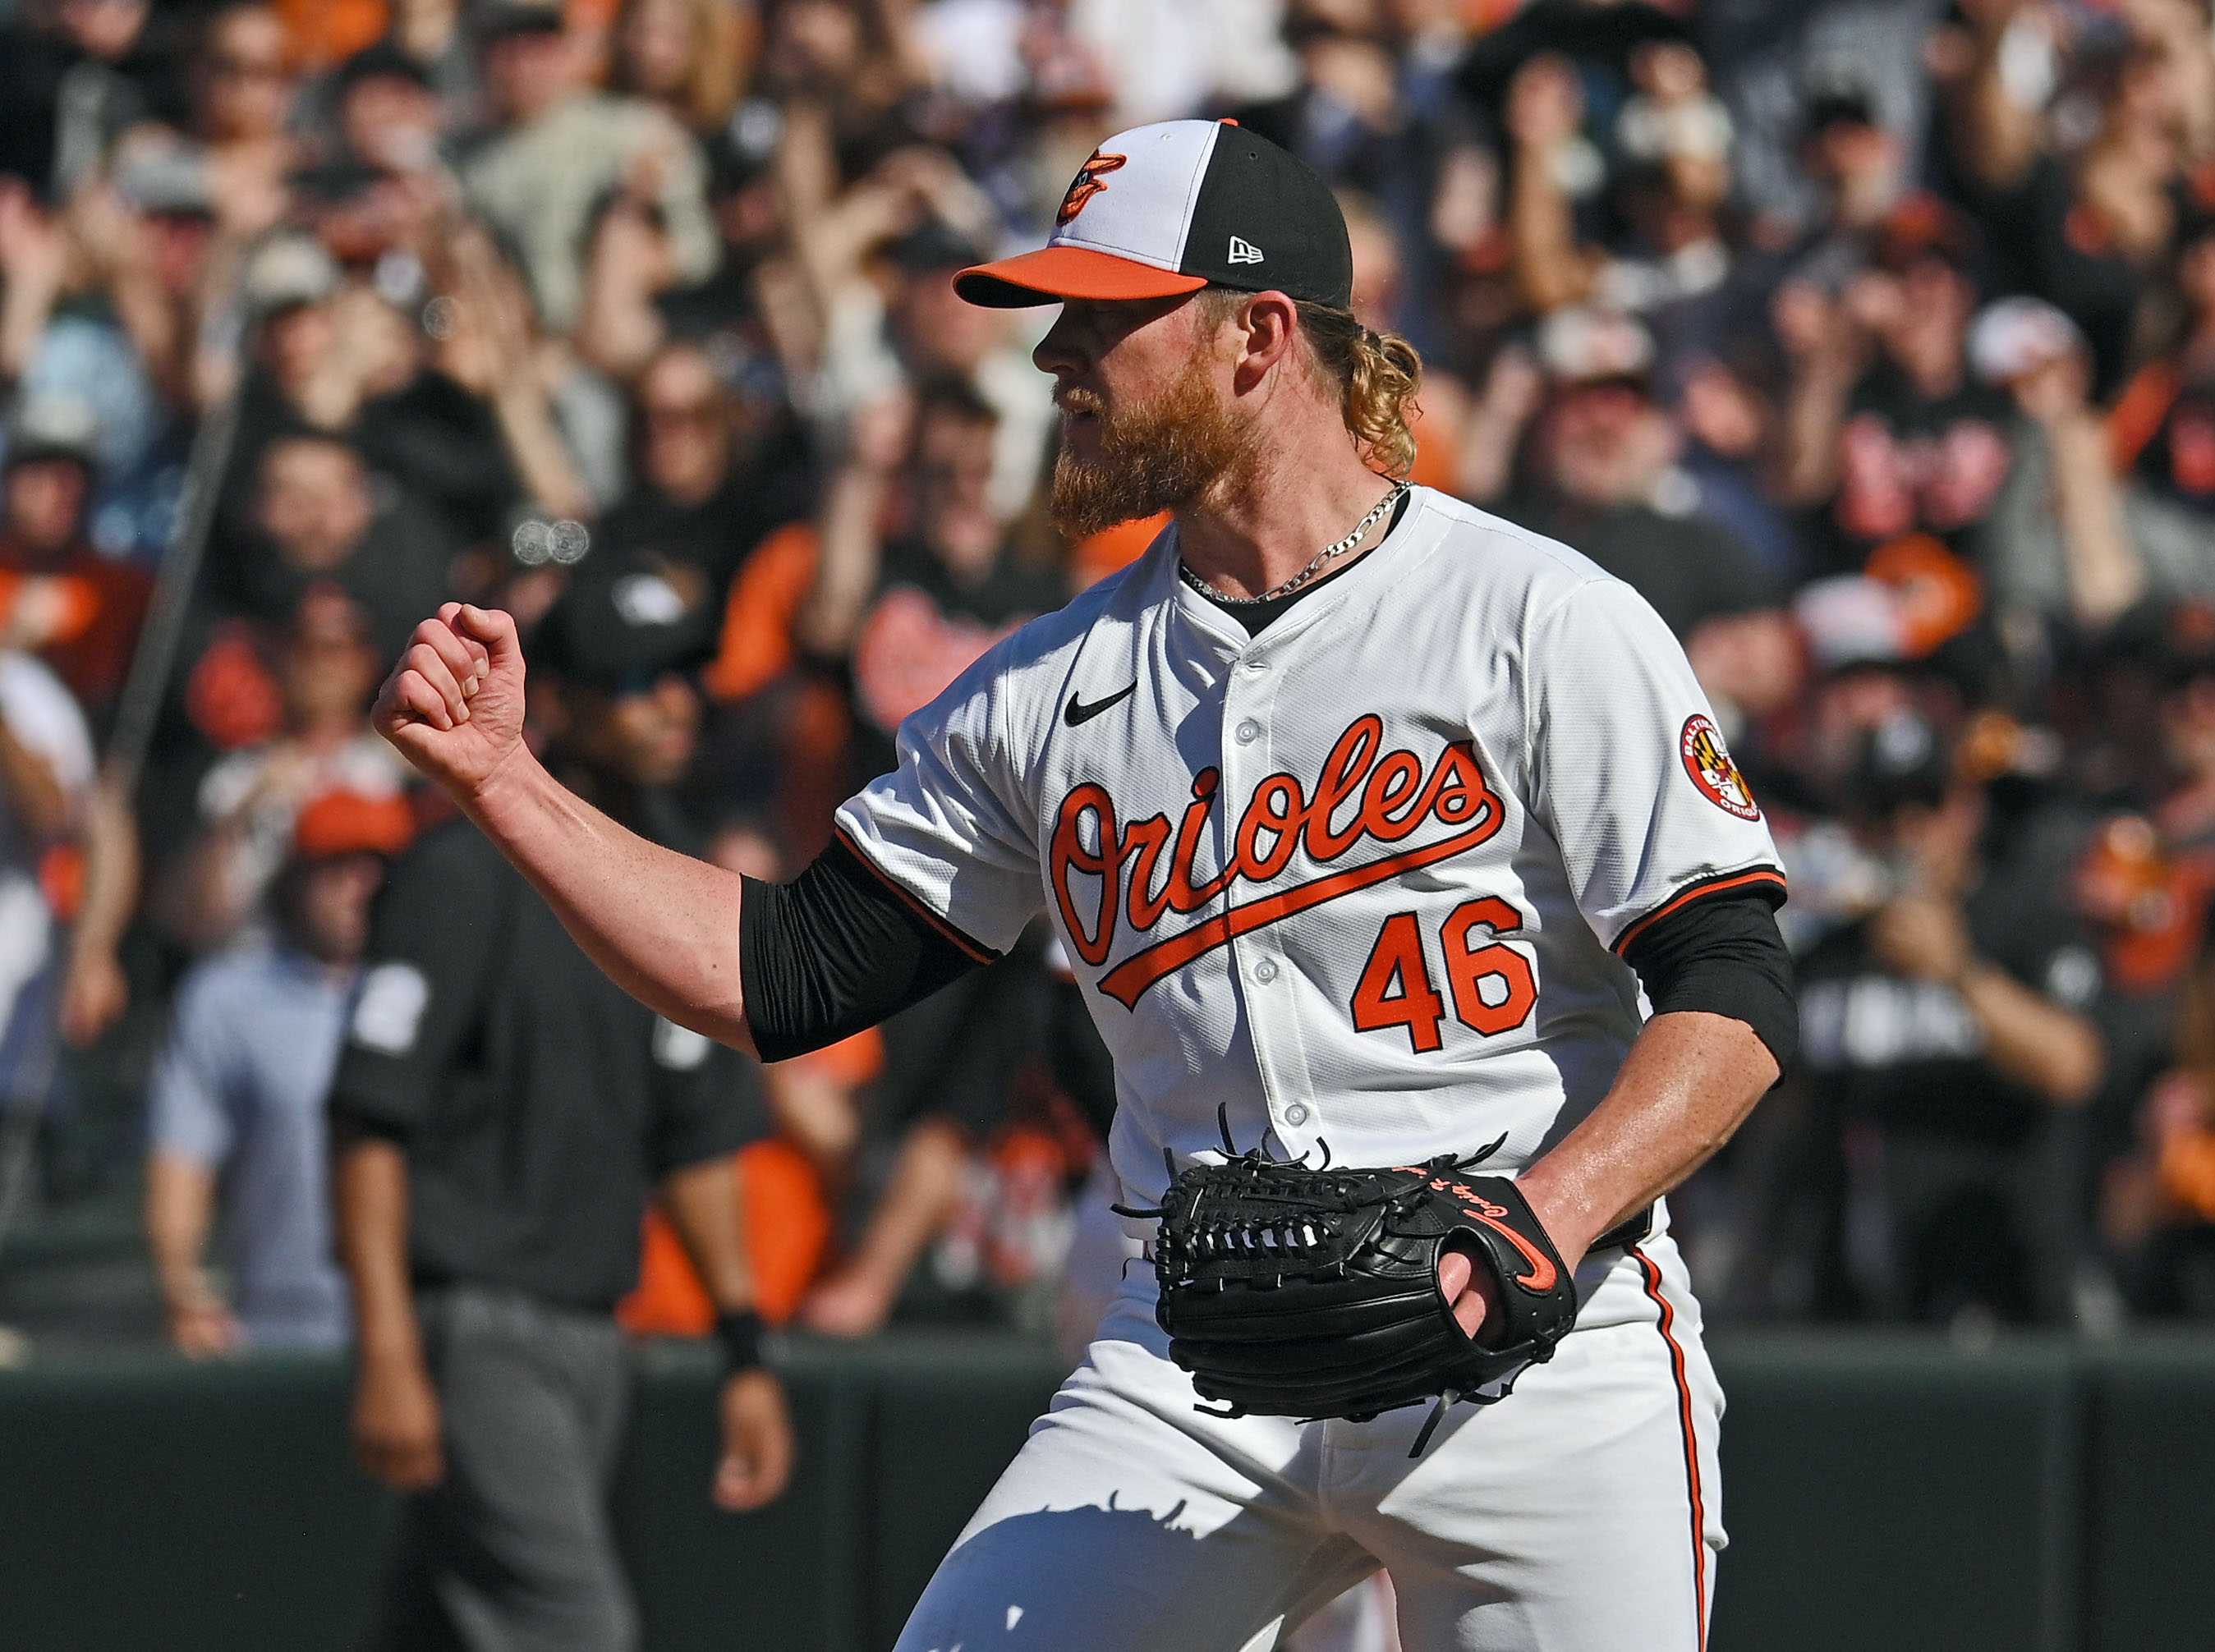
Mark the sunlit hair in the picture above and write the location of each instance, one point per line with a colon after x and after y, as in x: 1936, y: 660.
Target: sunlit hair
x: 1376, y: 375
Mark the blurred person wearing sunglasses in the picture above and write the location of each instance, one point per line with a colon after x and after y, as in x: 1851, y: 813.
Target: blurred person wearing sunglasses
x: 705, y: 487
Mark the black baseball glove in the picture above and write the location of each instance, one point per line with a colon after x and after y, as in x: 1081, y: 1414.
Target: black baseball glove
x: 1291, y: 1292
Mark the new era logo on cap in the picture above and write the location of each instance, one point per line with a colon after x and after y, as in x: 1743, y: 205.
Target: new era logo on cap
x: 1173, y: 207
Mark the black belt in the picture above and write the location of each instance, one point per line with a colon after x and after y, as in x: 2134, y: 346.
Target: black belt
x: 1626, y: 1233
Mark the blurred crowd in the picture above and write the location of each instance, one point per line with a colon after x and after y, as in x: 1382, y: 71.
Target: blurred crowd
x: 1873, y: 341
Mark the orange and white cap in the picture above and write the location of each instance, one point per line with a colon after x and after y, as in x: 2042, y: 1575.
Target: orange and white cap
x: 1173, y: 207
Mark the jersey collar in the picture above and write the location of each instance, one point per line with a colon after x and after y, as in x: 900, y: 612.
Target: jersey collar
x: 1366, y: 579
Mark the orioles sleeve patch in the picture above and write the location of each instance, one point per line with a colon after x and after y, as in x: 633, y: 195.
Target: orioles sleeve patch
x: 1712, y: 770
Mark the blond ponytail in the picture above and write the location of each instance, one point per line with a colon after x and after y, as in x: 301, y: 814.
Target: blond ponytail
x: 1378, y: 374
x: 1375, y: 373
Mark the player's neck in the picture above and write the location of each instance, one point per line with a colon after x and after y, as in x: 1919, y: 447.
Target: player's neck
x: 1255, y: 530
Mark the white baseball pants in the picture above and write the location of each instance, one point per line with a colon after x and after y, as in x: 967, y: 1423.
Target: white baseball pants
x: 1581, y: 1513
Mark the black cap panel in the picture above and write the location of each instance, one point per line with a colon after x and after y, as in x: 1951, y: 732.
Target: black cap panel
x: 626, y: 620
x: 1264, y: 220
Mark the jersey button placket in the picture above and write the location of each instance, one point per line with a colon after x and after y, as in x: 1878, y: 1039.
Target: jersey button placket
x: 1268, y: 996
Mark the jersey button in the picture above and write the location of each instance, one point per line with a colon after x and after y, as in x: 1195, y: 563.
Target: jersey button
x: 1298, y: 1113
x: 1247, y: 732
x: 1266, y: 972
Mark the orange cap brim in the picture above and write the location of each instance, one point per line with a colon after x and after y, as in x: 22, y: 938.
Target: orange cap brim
x: 1054, y: 273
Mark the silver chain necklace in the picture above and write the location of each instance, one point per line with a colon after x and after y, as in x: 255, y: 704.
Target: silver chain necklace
x: 1335, y: 548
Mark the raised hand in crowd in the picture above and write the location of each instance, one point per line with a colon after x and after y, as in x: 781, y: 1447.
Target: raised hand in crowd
x: 853, y: 510
x: 1545, y: 113
x: 490, y: 348
x: 34, y: 259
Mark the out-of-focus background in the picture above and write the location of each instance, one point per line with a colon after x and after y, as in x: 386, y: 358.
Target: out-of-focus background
x: 1873, y: 341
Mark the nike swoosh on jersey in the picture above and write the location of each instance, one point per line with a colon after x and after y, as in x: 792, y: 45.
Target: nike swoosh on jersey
x: 1079, y: 713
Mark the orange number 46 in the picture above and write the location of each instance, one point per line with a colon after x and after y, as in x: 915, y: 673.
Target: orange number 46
x: 1396, y: 989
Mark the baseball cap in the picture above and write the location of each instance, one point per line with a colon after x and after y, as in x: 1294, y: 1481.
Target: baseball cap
x: 288, y: 270
x: 1923, y: 227
x: 342, y: 823
x: 53, y: 427
x: 623, y: 624
x: 1579, y: 345
x: 382, y: 61
x: 2016, y: 336
x: 1903, y: 759
x: 506, y: 17
x: 1837, y: 102
x: 1175, y: 206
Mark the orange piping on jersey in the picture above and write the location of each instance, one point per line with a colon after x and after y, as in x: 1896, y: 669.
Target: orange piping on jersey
x: 1650, y: 1274
x: 975, y: 951
x: 1699, y: 891
x: 1140, y: 970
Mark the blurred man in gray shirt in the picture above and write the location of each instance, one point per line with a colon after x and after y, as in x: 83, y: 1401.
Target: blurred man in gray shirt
x: 237, y: 1099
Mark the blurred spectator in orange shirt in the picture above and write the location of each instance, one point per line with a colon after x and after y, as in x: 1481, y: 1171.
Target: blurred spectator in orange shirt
x: 77, y: 610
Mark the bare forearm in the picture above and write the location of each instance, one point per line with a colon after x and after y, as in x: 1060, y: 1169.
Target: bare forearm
x: 34, y: 794
x: 369, y: 1196
x: 2105, y: 573
x: 1995, y: 136
x: 703, y: 1206
x: 535, y: 447
x: 1489, y: 448
x: 26, y: 301
x: 2030, y: 1039
x: 924, y: 1187
x: 1814, y: 414
x: 846, y: 570
x: 1690, y: 1081
x: 111, y: 869
x: 663, y: 925
x: 620, y: 328
x: 1548, y: 266
x: 180, y: 1203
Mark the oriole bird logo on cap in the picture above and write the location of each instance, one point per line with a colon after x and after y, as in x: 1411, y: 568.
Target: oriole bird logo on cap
x: 1086, y: 184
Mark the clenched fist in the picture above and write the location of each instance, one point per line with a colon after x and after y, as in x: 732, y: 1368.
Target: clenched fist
x: 453, y: 707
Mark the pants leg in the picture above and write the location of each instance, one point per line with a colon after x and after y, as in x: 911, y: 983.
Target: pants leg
x: 513, y: 1552
x: 1583, y: 1512
x: 1580, y: 1514
x: 1129, y: 1522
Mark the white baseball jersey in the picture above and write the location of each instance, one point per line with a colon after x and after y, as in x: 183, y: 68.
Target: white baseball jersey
x: 1366, y: 877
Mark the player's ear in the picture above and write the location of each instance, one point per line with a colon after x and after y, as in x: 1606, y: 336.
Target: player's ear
x: 1268, y: 324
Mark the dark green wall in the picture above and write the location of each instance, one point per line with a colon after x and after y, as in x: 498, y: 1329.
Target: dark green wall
x: 2034, y: 1497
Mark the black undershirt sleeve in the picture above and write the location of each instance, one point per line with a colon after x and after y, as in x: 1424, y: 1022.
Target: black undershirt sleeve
x: 832, y: 952
x: 1723, y: 954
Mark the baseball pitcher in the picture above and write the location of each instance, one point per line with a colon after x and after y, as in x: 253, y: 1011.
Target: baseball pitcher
x: 1412, y: 889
